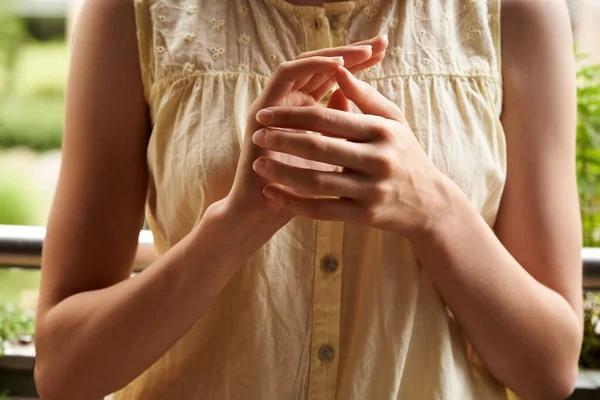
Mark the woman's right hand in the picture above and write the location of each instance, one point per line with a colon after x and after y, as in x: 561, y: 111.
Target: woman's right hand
x: 302, y: 82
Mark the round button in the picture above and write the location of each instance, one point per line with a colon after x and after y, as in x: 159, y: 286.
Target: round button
x: 329, y: 264
x: 326, y: 353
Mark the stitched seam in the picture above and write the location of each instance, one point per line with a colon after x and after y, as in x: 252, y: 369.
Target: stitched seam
x: 170, y: 80
x: 434, y: 75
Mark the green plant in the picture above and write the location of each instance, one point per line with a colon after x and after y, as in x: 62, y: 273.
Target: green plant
x: 588, y: 150
x: 12, y: 36
x: 16, y: 201
x: 590, y: 350
x: 33, y: 123
x: 14, y: 324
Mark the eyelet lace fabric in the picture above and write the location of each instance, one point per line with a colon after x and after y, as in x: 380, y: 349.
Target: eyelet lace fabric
x: 388, y: 332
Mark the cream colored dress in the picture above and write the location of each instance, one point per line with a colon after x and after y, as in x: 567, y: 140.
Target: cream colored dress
x: 325, y: 310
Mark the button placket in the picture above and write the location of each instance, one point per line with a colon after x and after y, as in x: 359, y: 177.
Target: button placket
x: 325, y: 338
x: 329, y: 264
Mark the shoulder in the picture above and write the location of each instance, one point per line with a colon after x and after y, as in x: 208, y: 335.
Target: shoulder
x: 529, y: 24
x: 107, y: 13
x: 537, y: 41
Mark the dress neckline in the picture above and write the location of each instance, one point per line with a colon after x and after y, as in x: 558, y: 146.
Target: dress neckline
x: 329, y: 7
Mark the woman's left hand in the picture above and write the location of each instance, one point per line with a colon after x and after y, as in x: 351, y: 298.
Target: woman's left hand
x: 387, y: 180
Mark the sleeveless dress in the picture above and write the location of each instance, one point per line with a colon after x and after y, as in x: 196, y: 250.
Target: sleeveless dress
x: 325, y: 310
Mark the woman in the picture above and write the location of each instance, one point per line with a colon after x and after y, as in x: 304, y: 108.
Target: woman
x: 431, y: 253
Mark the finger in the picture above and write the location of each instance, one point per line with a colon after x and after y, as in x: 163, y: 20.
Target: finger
x: 301, y: 82
x: 353, y: 55
x: 340, y: 124
x: 377, y: 47
x: 320, y: 92
x: 338, y: 101
x: 317, y: 81
x: 288, y: 72
x: 342, y: 209
x: 366, y: 97
x: 309, y: 181
x: 367, y: 64
x: 319, y: 148
x: 378, y: 43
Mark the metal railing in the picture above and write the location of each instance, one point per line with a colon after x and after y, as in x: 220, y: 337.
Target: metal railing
x: 21, y: 247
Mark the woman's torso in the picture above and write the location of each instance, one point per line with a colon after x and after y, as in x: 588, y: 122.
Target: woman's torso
x: 358, y: 290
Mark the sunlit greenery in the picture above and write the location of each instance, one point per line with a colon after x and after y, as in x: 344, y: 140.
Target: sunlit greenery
x: 14, y: 324
x: 32, y: 112
x: 588, y: 152
x: 590, y: 350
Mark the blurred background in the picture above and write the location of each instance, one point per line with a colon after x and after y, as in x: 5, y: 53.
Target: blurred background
x: 34, y: 59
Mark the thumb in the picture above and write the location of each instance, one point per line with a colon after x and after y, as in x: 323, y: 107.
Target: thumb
x: 366, y: 97
x: 338, y: 101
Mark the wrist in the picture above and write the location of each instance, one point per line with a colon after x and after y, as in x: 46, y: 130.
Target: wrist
x: 236, y: 233
x: 448, y: 208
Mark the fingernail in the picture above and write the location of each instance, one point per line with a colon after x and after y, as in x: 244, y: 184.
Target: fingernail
x: 269, y: 192
x: 338, y: 59
x: 260, y: 166
x: 259, y: 137
x: 264, y: 116
x: 385, y: 36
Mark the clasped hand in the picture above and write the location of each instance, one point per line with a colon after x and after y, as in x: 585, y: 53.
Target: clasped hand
x: 386, y: 181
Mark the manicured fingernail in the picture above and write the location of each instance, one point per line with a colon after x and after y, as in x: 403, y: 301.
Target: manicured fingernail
x: 264, y: 116
x: 260, y: 166
x: 269, y: 192
x: 385, y: 36
x: 259, y: 137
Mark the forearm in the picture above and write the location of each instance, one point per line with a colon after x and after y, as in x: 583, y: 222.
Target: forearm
x: 527, y: 335
x: 95, y: 342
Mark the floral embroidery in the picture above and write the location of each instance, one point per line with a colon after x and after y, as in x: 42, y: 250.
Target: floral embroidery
x: 244, y: 38
x: 243, y: 67
x: 216, y: 52
x: 369, y: 12
x: 189, y: 37
x: 395, y: 51
x: 191, y: 10
x: 243, y: 9
x: 217, y: 24
x: 271, y: 29
x: 160, y: 49
x: 188, y: 67
x: 393, y: 23
x: 162, y: 18
x: 473, y: 32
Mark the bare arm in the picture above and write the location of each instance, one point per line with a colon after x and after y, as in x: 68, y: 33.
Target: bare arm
x: 515, y: 292
x: 96, y: 329
x: 518, y: 298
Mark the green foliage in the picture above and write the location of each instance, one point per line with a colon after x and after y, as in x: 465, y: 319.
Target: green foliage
x: 590, y: 350
x: 12, y: 36
x: 32, y: 114
x: 15, y: 204
x: 588, y: 150
x: 14, y: 324
x: 33, y: 123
